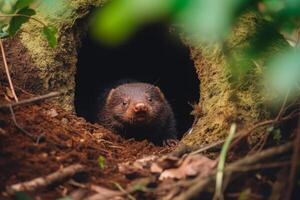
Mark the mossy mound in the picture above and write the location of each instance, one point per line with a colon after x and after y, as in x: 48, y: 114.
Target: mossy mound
x: 52, y: 69
x: 223, y: 100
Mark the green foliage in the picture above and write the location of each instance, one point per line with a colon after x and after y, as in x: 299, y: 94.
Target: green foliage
x: 121, y: 18
x: 277, y: 135
x: 139, y: 187
x: 50, y: 32
x: 65, y: 198
x: 245, y: 194
x: 14, y: 13
x: 17, y: 21
x: 211, y: 21
x: 23, y: 4
x: 22, y: 196
x: 7, y: 6
x: 101, y: 162
x: 207, y: 19
x: 284, y: 72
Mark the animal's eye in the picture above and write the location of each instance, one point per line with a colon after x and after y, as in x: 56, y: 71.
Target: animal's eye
x: 124, y: 103
x: 149, y: 99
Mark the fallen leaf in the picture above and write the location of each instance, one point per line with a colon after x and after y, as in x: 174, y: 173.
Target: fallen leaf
x: 165, y: 162
x: 52, y: 113
x: 9, y: 93
x: 137, y: 166
x: 192, y: 165
x: 105, y: 194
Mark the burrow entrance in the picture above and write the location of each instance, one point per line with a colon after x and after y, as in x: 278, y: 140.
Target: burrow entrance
x: 152, y: 55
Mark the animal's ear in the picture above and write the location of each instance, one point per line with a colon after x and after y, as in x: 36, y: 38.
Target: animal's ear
x: 161, y: 95
x: 109, y: 96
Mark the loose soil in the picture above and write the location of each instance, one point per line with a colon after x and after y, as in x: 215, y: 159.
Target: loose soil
x: 67, y: 140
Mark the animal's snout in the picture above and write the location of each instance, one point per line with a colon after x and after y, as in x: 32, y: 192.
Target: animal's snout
x: 140, y: 107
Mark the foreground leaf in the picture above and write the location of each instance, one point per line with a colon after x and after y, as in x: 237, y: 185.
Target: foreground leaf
x: 22, y: 196
x: 101, y: 162
x: 23, y: 4
x: 17, y: 21
x: 50, y: 33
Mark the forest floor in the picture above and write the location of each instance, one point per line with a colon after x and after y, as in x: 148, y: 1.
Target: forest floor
x: 66, y: 140
x: 103, y: 165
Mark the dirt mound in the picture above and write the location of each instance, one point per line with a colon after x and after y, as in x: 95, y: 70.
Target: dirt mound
x: 66, y: 140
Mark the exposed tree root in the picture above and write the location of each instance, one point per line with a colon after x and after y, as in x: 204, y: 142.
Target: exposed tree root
x: 47, y: 180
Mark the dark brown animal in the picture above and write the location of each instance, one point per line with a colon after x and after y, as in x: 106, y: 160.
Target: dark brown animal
x: 138, y: 110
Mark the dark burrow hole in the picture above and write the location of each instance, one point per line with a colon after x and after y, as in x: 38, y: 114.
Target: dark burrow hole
x: 152, y: 55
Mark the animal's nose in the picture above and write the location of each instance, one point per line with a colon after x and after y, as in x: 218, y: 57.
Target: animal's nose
x: 140, y: 107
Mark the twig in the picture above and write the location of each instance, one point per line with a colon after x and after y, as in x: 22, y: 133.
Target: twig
x: 197, y: 185
x: 283, y: 106
x: 47, y: 180
x: 7, y: 72
x: 21, y: 15
x: 31, y: 100
x: 238, y: 137
x: 33, y: 137
x: 207, y: 147
x: 279, y: 186
x: 295, y: 158
x: 243, y: 135
x: 220, y: 169
x: 124, y: 191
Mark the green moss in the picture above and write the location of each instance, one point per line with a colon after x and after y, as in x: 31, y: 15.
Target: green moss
x: 56, y: 66
x: 227, y: 97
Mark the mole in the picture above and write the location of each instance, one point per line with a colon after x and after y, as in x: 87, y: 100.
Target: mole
x: 138, y: 110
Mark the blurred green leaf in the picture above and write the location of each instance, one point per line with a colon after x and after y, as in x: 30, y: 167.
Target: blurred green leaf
x: 210, y: 20
x: 23, y: 4
x: 17, y: 21
x: 277, y: 135
x: 50, y: 33
x: 139, y: 187
x: 101, y: 162
x: 3, y: 34
x: 65, y: 198
x: 8, y: 6
x: 118, y: 20
x: 22, y: 196
x: 245, y: 194
x: 284, y: 72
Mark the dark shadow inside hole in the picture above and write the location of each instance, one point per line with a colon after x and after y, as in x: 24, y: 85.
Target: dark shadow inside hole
x: 152, y: 55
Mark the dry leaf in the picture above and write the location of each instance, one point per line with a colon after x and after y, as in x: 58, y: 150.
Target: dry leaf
x: 105, y: 194
x: 163, y: 163
x: 51, y: 113
x: 137, y: 166
x: 9, y: 93
x: 192, y: 165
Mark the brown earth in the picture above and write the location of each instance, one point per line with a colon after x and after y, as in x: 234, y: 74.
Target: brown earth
x: 67, y: 140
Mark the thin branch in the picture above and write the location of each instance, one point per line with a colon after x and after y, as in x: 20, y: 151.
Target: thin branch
x: 21, y: 15
x: 207, y: 147
x: 283, y: 106
x: 243, y: 135
x: 238, y: 137
x: 124, y: 191
x: 33, y: 137
x: 197, y: 185
x: 32, y: 100
x: 295, y: 158
x: 41, y: 182
x: 7, y: 72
